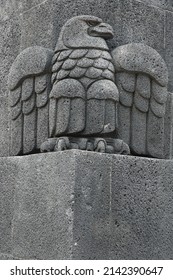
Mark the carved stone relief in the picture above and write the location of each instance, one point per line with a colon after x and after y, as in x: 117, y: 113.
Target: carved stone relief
x: 82, y: 96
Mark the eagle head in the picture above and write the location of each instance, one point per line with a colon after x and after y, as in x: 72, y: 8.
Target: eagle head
x: 84, y: 32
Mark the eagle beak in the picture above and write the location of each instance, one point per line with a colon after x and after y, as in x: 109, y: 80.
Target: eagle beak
x: 103, y: 30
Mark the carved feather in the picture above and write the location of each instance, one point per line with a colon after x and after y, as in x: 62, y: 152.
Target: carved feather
x: 107, y: 74
x: 77, y: 115
x: 52, y: 116
x: 64, y: 55
x: 141, y: 103
x: 138, y: 131
x: 63, y: 115
x: 143, y: 85
x: 160, y: 93
x: 101, y: 63
x: 41, y: 90
x: 16, y: 110
x: 106, y: 55
x: 77, y: 72
x: 126, y: 98
x: 78, y: 53
x: 69, y: 64
x: 111, y: 67
x: 42, y: 99
x: 155, y: 134
x: 93, y: 73
x: 15, y: 96
x: 126, y: 90
x: 110, y: 121
x: 55, y: 57
x: 28, y: 105
x: 29, y: 131
x: 54, y: 77
x: 157, y: 108
x: 40, y: 83
x: 62, y: 74
x: 127, y: 80
x: 95, y: 113
x: 85, y: 62
x: 93, y: 53
x: 27, y: 88
x: 42, y: 125
x: 124, y: 123
x: 57, y: 66
x: 16, y: 143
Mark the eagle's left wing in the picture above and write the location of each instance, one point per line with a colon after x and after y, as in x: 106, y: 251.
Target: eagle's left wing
x: 141, y: 78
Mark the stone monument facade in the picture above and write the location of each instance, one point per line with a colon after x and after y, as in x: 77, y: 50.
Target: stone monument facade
x: 95, y: 89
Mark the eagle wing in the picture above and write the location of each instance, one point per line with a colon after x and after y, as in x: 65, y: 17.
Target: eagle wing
x: 29, y: 83
x: 141, y: 78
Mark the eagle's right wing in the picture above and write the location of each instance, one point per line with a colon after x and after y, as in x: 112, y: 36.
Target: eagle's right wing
x: 30, y: 84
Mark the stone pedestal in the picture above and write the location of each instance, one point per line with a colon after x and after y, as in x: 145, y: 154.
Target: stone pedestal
x: 85, y: 205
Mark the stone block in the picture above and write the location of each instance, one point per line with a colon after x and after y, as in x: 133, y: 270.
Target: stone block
x: 85, y: 205
x: 141, y: 208
x: 43, y: 213
x: 130, y: 213
x: 7, y: 186
x: 91, y: 227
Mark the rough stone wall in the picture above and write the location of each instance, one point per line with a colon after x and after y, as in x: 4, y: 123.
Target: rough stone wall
x: 28, y: 23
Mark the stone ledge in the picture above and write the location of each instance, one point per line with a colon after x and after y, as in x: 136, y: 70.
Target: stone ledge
x: 85, y: 205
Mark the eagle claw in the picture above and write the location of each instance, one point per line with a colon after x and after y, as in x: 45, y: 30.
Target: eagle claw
x: 100, y: 146
x: 62, y: 144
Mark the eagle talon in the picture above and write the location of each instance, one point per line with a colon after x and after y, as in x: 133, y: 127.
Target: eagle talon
x: 48, y: 145
x: 121, y: 147
x: 125, y: 149
x: 62, y: 144
x: 89, y: 146
x: 100, y: 146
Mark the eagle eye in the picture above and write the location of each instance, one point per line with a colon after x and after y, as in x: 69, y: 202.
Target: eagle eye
x: 92, y: 23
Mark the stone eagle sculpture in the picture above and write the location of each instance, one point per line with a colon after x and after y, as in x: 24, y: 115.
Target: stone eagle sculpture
x: 81, y: 96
